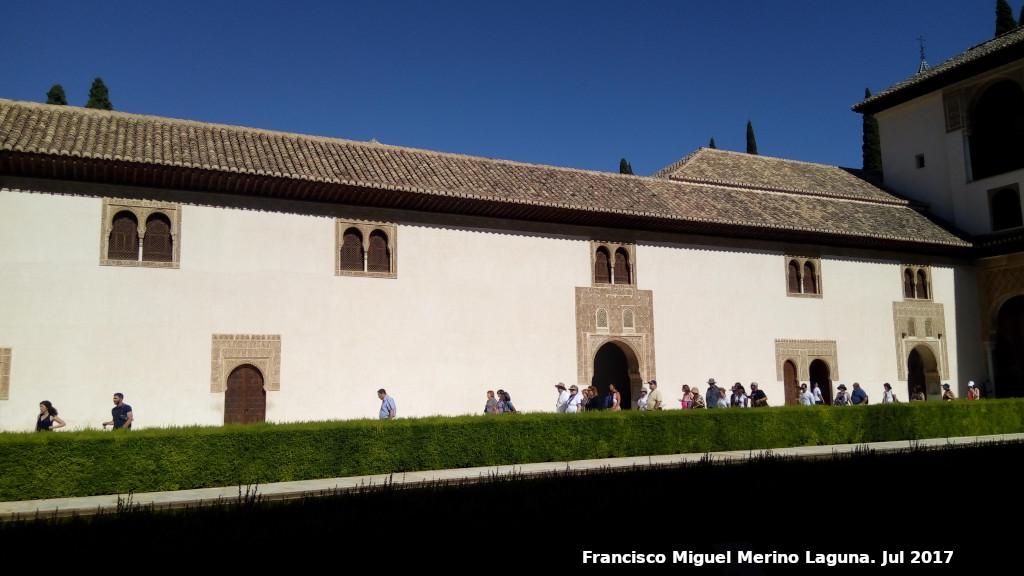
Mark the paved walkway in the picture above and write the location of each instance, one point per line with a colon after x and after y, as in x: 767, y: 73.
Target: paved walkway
x: 298, y: 489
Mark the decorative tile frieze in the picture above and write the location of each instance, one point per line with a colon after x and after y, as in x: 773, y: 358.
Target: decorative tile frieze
x: 999, y: 279
x: 802, y: 353
x: 229, y: 351
x: 621, y: 304
x: 5, y: 373
x: 919, y: 323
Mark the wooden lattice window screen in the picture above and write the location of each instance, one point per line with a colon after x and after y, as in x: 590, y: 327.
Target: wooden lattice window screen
x: 378, y: 258
x: 602, y: 267
x: 352, y: 250
x: 622, y: 275
x: 157, y: 244
x: 124, y: 237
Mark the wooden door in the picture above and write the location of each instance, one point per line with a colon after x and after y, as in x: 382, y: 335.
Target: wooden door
x: 245, y: 400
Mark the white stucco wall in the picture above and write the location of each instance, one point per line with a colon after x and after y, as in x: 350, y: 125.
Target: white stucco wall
x: 917, y: 127
x: 470, y: 310
x: 718, y: 314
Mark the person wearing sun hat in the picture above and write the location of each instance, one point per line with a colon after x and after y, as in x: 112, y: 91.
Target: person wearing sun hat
x: 563, y: 398
x: 711, y: 396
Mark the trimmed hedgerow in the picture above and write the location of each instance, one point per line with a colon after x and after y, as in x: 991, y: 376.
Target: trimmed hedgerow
x: 92, y: 462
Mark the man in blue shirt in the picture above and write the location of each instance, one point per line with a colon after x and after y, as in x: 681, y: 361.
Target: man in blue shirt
x: 387, y: 405
x: 859, y: 396
x: 120, y: 415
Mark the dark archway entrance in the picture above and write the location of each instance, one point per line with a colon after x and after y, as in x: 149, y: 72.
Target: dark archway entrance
x: 997, y: 138
x: 616, y: 364
x: 923, y: 371
x: 821, y: 375
x: 245, y: 400
x: 1009, y: 349
x: 790, y: 383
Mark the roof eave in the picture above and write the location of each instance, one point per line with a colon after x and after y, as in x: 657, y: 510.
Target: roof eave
x: 886, y: 99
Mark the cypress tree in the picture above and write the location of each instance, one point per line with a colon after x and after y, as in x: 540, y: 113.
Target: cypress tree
x: 872, y: 147
x: 99, y: 98
x: 712, y: 144
x: 1004, y: 18
x: 56, y: 96
x: 625, y: 167
x: 751, y: 142
x: 1020, y: 19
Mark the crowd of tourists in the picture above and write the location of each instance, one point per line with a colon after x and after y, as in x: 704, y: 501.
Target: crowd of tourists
x: 573, y: 400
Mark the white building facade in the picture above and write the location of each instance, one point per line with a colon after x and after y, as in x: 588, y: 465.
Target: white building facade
x: 219, y: 274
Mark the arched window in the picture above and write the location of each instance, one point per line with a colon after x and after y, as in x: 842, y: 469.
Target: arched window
x: 123, y: 243
x: 1005, y: 205
x: 157, y: 244
x: 378, y: 258
x: 922, y: 284
x: 627, y: 318
x: 602, y: 266
x: 810, y: 280
x: 622, y: 274
x: 908, y: 284
x: 997, y: 137
x: 602, y: 318
x: 911, y: 328
x: 793, y: 278
x: 803, y: 276
x: 365, y: 248
x: 352, y: 250
x: 916, y: 282
x: 147, y: 226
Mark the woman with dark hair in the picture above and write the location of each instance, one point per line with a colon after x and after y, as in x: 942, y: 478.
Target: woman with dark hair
x: 918, y: 395
x: 888, y: 396
x: 48, y: 419
x: 739, y: 396
x: 508, y: 407
x: 614, y: 400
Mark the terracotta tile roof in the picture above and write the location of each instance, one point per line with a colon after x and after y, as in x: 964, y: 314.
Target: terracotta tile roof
x: 69, y: 143
x: 736, y: 169
x: 1000, y: 50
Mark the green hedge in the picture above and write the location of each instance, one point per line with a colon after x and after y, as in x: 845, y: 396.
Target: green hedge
x: 84, y: 463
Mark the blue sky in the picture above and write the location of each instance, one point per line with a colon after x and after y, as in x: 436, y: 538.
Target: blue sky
x: 578, y: 84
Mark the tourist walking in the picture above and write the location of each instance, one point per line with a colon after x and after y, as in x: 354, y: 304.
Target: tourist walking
x: 48, y: 419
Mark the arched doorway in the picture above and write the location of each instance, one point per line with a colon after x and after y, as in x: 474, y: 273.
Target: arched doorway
x: 615, y: 363
x: 1009, y: 349
x: 923, y: 371
x: 820, y: 373
x: 790, y: 383
x: 245, y: 400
